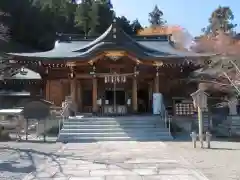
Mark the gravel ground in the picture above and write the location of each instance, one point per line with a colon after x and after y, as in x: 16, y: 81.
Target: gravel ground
x: 221, y: 162
x: 19, y: 159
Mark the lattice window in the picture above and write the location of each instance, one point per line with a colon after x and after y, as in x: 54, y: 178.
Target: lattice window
x: 184, y: 109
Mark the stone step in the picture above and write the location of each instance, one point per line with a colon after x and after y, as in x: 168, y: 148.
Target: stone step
x: 131, y: 118
x: 94, y: 139
x: 111, y: 126
x: 112, y: 121
x: 114, y: 134
x: 222, y: 131
x: 112, y: 130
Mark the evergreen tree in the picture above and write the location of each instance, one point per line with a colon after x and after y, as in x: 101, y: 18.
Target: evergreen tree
x: 220, y: 20
x: 105, y: 16
x: 94, y: 19
x: 124, y: 23
x: 36, y: 22
x: 82, y: 18
x: 136, y: 26
x: 87, y: 16
x: 155, y: 17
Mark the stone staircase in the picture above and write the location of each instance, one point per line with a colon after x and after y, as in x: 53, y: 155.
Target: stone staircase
x: 229, y: 127
x: 131, y: 128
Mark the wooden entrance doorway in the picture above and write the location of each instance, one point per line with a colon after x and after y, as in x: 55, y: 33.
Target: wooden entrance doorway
x: 115, y: 95
x: 115, y: 102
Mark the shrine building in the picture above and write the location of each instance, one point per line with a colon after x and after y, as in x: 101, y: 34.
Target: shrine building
x: 115, y: 72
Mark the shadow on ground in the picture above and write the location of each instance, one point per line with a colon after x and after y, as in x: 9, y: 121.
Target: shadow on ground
x: 21, y: 154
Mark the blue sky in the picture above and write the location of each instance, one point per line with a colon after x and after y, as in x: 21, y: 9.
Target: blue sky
x: 190, y: 14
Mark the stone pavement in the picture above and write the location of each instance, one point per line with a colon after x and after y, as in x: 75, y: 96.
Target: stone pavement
x: 221, y: 162
x: 116, y: 161
x: 17, y: 159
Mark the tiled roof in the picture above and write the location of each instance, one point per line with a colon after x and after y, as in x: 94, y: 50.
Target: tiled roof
x: 114, y: 38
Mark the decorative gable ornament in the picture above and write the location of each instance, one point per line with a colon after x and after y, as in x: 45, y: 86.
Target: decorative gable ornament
x: 114, y: 55
x: 200, y: 99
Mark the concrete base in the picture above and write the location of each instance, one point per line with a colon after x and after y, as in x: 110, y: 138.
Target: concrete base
x: 234, y: 124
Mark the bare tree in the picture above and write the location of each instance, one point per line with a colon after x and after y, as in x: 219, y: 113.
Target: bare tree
x: 181, y: 37
x: 226, y: 63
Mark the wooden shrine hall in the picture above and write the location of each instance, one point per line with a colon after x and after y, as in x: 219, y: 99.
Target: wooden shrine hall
x: 115, y: 72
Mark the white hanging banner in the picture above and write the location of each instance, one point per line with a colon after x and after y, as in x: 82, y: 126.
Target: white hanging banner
x: 129, y: 102
x: 157, y: 103
x: 99, y: 102
x: 106, y: 102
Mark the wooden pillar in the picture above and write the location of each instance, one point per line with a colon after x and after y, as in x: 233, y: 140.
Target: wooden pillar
x: 150, y: 96
x: 47, y: 90
x: 73, y: 88
x: 156, y: 83
x: 94, y: 95
x: 80, y: 102
x: 134, y: 95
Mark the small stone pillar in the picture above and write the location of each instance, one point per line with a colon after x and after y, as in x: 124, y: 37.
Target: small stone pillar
x: 194, y: 139
x: 208, y: 139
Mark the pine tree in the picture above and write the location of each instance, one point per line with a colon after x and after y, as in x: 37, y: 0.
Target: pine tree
x: 220, y: 20
x: 136, y: 26
x: 94, y: 19
x: 86, y: 16
x: 155, y: 17
x: 105, y: 15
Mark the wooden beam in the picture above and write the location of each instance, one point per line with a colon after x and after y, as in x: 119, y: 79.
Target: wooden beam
x: 92, y: 61
x: 133, y: 58
x: 114, y: 53
x: 82, y: 63
x: 84, y: 76
x: 152, y: 63
x: 100, y: 75
x: 71, y: 63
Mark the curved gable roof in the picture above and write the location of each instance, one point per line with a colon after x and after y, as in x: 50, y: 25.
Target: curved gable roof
x: 114, y: 38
